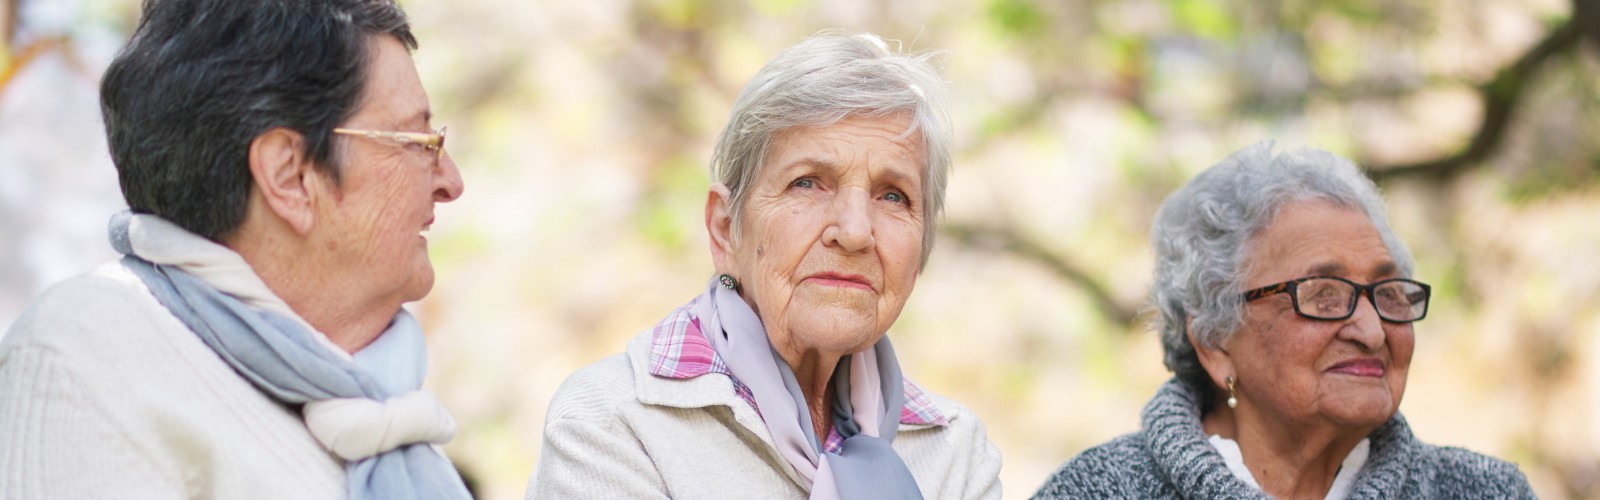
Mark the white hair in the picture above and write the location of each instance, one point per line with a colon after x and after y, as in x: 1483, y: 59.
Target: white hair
x: 822, y: 80
x: 1204, y: 232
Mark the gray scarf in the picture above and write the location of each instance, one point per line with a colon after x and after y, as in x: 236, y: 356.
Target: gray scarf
x: 284, y: 360
x: 868, y: 396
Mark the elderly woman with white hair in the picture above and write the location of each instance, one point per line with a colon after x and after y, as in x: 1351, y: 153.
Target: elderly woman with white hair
x: 779, y: 381
x: 1286, y: 310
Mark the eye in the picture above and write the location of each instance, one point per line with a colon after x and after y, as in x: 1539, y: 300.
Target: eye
x: 804, y: 183
x: 1326, y: 297
x: 1389, y: 295
x: 897, y: 197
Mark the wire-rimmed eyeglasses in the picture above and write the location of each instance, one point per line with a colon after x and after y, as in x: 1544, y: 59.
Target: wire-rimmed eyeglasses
x: 433, y: 142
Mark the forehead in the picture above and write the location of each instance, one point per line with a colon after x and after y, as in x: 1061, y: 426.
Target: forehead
x: 853, y: 141
x: 1316, y: 237
x: 393, y: 93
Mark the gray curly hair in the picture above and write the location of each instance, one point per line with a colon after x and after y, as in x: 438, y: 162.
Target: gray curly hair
x: 822, y: 80
x: 1202, y: 239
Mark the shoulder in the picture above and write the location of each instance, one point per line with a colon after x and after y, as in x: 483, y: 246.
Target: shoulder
x: 1459, y: 471
x: 961, y: 431
x: 934, y: 405
x: 102, y: 296
x: 102, y: 373
x: 1402, y: 461
x: 1112, y: 469
x: 109, y: 280
x: 593, y: 393
x: 107, y: 329
x: 946, y: 447
x: 107, y: 313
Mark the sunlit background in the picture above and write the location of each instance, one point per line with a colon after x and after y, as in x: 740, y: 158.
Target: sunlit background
x: 583, y: 131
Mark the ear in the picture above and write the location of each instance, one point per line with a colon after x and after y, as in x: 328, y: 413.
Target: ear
x: 284, y: 177
x: 1217, y: 362
x: 719, y: 224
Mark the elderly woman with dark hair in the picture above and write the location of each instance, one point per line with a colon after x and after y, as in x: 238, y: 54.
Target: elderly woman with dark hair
x: 279, y: 162
x: 1286, y: 312
x: 779, y: 380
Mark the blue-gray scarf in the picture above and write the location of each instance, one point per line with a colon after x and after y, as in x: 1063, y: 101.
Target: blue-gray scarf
x: 282, y: 359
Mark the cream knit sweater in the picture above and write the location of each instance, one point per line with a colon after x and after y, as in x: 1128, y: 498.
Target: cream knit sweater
x: 615, y: 431
x: 104, y: 394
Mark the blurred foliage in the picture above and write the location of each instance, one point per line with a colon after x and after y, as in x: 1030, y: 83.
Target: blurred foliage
x: 584, y: 128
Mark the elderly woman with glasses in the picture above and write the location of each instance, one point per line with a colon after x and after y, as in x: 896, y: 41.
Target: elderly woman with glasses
x: 281, y: 169
x: 778, y: 381
x: 1286, y: 310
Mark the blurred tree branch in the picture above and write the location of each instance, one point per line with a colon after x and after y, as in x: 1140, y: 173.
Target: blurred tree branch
x: 1500, y: 97
x: 1011, y: 242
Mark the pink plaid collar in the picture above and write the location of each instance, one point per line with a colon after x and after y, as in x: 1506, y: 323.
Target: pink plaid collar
x: 679, y: 350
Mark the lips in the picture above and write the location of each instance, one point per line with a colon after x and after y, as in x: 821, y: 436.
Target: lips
x: 840, y: 280
x: 1360, y: 367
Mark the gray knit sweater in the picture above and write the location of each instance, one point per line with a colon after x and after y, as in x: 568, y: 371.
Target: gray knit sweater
x: 1170, y: 458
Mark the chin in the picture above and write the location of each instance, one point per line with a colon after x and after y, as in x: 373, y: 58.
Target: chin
x: 419, y: 285
x: 1365, y: 410
x: 834, y: 334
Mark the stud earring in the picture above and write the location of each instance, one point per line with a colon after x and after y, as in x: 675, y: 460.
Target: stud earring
x: 727, y: 281
x: 1233, y: 398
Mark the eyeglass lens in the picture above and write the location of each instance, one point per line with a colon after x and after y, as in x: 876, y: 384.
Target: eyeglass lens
x: 1333, y: 299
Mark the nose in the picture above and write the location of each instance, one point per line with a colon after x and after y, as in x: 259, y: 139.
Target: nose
x: 851, y: 228
x: 448, y: 180
x: 1364, y: 326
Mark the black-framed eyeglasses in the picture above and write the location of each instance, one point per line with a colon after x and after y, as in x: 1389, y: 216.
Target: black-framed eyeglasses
x: 1397, y: 300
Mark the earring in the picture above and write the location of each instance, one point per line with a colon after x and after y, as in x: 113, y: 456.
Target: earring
x: 728, y: 282
x: 1233, y: 398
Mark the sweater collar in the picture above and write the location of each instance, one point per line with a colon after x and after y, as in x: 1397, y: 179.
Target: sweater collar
x: 1173, y: 434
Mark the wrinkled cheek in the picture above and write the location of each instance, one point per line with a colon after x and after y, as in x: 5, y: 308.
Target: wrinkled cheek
x: 759, y: 278
x: 901, y: 268
x: 1397, y: 386
x: 1403, y: 346
x: 379, y: 243
x: 767, y: 253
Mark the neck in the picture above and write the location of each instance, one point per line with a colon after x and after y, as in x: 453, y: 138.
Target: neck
x: 814, y: 372
x: 1288, y: 459
x: 286, y: 263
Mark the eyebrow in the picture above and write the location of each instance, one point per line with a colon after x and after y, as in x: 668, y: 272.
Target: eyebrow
x: 1336, y: 269
x: 889, y: 175
x: 1327, y: 269
x: 896, y: 177
x: 1386, y: 269
x: 809, y: 161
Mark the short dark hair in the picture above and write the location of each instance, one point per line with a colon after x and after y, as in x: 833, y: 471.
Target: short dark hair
x: 200, y: 79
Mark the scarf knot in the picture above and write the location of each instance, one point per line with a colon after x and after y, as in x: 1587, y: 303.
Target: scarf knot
x: 358, y: 428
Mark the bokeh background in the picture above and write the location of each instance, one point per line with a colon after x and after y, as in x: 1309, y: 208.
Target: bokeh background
x: 583, y: 131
